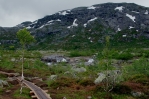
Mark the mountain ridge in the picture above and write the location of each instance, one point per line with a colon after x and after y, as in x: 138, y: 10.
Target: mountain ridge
x: 116, y: 17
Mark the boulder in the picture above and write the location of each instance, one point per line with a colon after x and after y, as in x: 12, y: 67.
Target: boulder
x: 54, y: 59
x: 53, y: 77
x: 100, y: 78
x: 90, y: 62
x: 111, y: 75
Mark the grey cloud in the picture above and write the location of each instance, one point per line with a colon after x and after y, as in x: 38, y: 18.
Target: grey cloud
x: 13, y: 12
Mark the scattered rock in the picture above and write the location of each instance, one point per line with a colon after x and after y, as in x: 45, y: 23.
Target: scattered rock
x: 64, y: 98
x: 90, y: 60
x: 8, y: 91
x: 100, y: 78
x: 53, y: 77
x: 63, y: 60
x: 54, y: 59
x: 88, y: 64
x: 79, y: 70
x: 49, y: 64
x: 13, y: 59
x: 111, y: 74
x: 89, y: 97
x: 136, y: 94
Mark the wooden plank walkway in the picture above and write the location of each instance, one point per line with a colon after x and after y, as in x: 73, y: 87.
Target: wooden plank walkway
x: 39, y: 93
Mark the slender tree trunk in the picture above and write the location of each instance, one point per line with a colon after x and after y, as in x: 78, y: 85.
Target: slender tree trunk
x: 23, y: 63
x: 22, y: 78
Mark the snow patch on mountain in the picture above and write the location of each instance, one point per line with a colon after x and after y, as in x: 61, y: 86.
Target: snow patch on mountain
x: 73, y: 35
x: 85, y: 24
x: 69, y: 27
x: 124, y: 35
x: 90, y: 21
x: 58, y: 20
x: 50, y: 21
x: 118, y: 29
x: 119, y: 8
x: 69, y: 10
x: 146, y: 12
x: 28, y: 27
x: 91, y: 7
x: 135, y: 12
x: 73, y: 24
x: 35, y: 22
x: 42, y: 26
x: 63, y: 13
x: 131, y: 17
x: 130, y: 27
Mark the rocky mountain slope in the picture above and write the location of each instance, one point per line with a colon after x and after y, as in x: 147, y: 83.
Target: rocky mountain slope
x: 88, y: 25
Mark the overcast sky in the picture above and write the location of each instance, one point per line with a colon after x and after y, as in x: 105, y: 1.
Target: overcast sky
x: 13, y: 12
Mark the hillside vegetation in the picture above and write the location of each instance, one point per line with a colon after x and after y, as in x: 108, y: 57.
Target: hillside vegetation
x: 132, y: 81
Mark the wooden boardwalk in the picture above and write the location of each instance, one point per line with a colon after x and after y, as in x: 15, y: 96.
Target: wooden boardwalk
x: 38, y: 92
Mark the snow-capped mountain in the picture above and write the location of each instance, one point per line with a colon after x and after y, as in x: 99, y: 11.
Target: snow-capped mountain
x: 116, y: 16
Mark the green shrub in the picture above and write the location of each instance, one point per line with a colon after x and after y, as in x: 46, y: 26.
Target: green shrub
x: 138, y: 67
x: 123, y: 56
x: 121, y: 89
x: 11, y: 48
x: 77, y: 53
x: 115, y: 54
x: 62, y: 82
x: 145, y: 54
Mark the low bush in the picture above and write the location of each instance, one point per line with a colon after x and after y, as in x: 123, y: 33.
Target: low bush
x: 145, y: 53
x: 123, y: 56
x: 140, y: 67
x: 77, y: 53
x: 121, y: 89
x: 62, y: 82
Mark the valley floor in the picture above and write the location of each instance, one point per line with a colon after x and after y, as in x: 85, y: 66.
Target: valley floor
x: 79, y: 76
